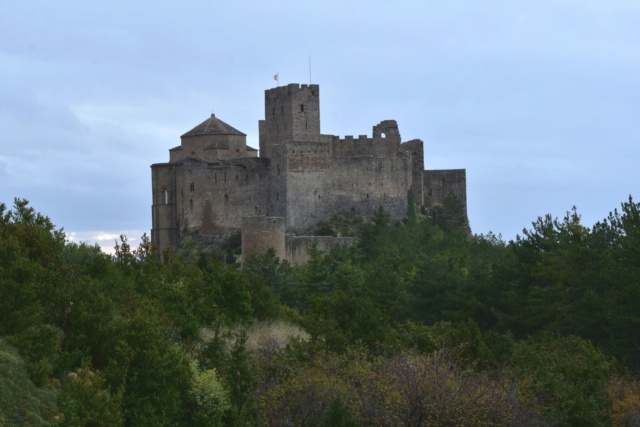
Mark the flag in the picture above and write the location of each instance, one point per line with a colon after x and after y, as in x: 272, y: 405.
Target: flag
x: 275, y: 77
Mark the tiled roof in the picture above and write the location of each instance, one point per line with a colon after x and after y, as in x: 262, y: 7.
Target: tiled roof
x: 213, y: 126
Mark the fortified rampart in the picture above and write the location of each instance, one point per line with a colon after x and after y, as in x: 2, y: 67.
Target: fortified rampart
x: 215, y: 185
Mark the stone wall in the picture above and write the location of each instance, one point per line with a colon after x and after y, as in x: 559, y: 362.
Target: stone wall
x: 384, y: 143
x: 163, y: 186
x: 438, y: 184
x: 261, y: 233
x: 210, y: 148
x: 297, y: 247
x: 415, y: 149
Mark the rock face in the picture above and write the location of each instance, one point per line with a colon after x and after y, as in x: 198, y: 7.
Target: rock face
x: 213, y: 179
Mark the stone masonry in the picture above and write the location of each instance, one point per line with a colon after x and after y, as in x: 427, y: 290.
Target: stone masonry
x: 216, y: 186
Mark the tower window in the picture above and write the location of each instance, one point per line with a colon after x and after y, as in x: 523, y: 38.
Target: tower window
x: 277, y: 197
x: 190, y: 204
x: 192, y: 187
x: 302, y: 108
x: 226, y: 197
x: 166, y: 197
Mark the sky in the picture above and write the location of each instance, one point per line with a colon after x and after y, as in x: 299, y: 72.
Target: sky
x: 538, y: 100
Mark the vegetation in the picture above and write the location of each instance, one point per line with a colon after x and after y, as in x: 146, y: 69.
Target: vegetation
x: 419, y: 324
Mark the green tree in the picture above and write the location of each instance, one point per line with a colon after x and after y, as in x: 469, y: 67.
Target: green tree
x: 564, y: 378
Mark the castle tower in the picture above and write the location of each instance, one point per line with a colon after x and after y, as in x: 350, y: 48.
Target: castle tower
x: 292, y: 113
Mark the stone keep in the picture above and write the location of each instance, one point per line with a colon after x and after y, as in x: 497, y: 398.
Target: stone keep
x: 213, y: 179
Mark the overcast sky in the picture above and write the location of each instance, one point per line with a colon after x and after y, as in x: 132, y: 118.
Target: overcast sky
x: 538, y: 100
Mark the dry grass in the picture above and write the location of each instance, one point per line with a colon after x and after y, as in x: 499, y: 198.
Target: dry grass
x: 273, y: 335
x: 262, y: 335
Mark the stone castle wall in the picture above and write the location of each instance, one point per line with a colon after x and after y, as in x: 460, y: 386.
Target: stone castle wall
x: 438, y: 184
x: 261, y: 233
x: 297, y: 247
x: 213, y: 180
x: 415, y: 149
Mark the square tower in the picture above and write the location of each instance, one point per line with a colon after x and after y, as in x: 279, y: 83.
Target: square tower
x: 292, y: 113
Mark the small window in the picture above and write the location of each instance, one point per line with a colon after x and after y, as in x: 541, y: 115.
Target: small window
x: 166, y: 197
x: 278, y: 170
x: 277, y: 197
x: 192, y: 187
x: 191, y: 204
x: 302, y: 108
x: 226, y: 197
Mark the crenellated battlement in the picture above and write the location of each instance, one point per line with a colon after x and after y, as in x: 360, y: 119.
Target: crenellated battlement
x: 385, y: 142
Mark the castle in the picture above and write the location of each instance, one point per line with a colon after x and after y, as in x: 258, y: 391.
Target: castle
x: 214, y: 185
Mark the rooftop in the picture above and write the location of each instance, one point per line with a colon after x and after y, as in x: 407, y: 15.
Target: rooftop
x: 213, y: 126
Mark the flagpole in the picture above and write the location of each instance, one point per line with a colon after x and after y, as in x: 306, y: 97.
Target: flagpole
x: 309, y: 68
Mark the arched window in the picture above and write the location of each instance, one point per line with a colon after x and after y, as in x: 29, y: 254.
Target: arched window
x: 166, y: 196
